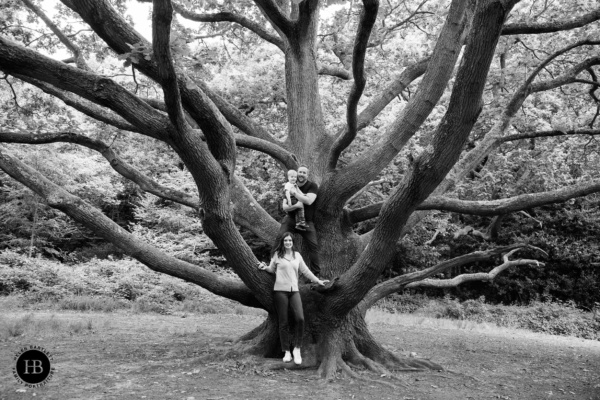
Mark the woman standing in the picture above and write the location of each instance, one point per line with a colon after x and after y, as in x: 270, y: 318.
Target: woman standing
x: 285, y: 264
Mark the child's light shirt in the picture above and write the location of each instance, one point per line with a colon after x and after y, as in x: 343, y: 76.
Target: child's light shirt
x: 289, y: 186
x: 286, y: 272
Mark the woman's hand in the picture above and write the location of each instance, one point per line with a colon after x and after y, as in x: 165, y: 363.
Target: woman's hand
x: 322, y: 282
x: 262, y: 266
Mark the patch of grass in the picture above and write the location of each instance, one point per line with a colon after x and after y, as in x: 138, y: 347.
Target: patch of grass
x: 80, y: 326
x: 89, y: 303
x: 26, y: 326
x: 145, y: 306
x: 17, y: 327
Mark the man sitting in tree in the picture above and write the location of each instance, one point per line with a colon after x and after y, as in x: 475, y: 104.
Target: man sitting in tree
x: 290, y: 188
x: 306, y: 194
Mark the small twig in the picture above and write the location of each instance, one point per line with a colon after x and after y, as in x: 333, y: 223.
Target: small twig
x: 5, y: 77
x: 529, y: 216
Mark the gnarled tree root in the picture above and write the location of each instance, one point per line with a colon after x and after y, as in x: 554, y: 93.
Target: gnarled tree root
x: 346, y: 349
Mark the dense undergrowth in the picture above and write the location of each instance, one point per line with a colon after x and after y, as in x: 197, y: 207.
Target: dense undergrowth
x: 102, y: 285
x: 111, y: 285
x: 551, y: 317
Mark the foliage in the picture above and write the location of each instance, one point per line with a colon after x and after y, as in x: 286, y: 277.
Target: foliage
x: 100, y: 285
x: 550, y: 317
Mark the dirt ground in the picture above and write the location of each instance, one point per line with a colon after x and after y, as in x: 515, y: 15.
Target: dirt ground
x: 144, y: 356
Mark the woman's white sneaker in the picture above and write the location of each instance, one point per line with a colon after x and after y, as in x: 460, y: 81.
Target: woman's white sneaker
x: 287, y: 357
x: 297, y: 356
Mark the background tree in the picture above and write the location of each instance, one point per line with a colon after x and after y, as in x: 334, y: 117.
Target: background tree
x: 423, y: 133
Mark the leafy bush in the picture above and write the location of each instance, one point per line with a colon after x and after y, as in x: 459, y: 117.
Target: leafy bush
x: 101, y: 285
x: 555, y: 318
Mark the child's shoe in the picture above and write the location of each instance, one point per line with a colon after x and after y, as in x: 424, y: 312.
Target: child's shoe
x: 301, y: 226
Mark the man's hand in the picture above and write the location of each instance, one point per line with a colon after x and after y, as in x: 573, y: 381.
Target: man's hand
x: 288, y: 208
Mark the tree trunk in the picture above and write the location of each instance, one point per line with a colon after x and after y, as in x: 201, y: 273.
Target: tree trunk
x: 331, y: 344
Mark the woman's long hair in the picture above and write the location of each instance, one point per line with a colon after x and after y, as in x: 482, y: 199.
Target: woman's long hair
x: 280, y: 249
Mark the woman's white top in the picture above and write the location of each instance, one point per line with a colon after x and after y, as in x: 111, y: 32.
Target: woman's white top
x: 286, y: 272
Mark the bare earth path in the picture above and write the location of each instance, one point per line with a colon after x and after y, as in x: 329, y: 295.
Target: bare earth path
x: 144, y: 356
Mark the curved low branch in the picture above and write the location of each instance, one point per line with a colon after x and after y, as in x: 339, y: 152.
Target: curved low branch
x: 368, y: 17
x: 414, y: 278
x: 511, y: 204
x: 116, y: 162
x: 491, y: 207
x: 91, y: 217
x: 482, y: 276
x: 551, y: 26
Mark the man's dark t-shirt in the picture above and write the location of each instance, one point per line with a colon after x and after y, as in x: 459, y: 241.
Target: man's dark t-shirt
x: 309, y: 187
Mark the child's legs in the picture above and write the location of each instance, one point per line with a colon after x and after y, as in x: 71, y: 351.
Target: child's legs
x: 281, y: 300
x: 299, y: 214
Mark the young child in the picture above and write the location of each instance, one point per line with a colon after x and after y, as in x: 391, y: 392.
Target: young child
x: 290, y: 189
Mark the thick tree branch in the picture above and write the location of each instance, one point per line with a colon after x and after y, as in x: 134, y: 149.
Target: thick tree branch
x: 91, y: 217
x: 368, y: 17
x: 490, y: 207
x: 272, y: 11
x: 482, y: 276
x: 276, y: 151
x: 73, y: 48
x: 401, y: 282
x: 16, y: 59
x: 162, y: 15
x: 511, y: 204
x: 80, y: 104
x: 551, y: 26
x: 406, y: 77
x: 361, y: 191
x: 306, y: 14
x: 338, y: 72
x: 237, y: 118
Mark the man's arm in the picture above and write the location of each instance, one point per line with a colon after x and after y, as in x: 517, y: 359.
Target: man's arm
x: 307, y: 198
x: 288, y: 208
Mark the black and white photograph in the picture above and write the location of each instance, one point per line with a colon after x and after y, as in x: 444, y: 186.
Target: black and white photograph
x: 300, y: 199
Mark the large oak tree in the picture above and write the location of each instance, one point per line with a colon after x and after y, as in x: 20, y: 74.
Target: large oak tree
x: 206, y: 130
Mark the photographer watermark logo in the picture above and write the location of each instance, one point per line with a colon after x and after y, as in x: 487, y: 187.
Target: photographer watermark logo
x: 32, y: 366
